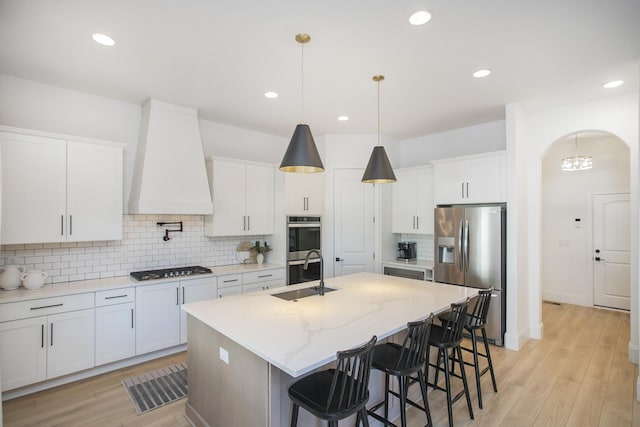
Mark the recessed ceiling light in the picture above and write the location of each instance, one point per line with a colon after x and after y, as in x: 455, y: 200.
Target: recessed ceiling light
x: 481, y: 73
x: 612, y: 84
x: 420, y: 17
x: 103, y: 39
x: 271, y: 95
x: 343, y: 118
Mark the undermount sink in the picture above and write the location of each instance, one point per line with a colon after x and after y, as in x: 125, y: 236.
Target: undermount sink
x: 301, y: 293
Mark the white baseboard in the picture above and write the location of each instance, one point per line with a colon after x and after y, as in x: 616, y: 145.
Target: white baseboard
x: 566, y: 298
x: 634, y: 353
x: 23, y: 391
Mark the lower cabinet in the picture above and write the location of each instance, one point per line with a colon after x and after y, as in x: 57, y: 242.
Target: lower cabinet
x: 230, y: 284
x: 157, y: 316
x: 192, y: 291
x: 115, y: 333
x: 262, y: 280
x: 41, y: 348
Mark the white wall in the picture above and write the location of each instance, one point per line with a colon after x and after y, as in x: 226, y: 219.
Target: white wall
x: 476, y: 139
x: 566, y: 250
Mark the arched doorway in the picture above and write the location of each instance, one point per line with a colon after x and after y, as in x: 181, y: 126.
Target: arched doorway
x: 569, y: 270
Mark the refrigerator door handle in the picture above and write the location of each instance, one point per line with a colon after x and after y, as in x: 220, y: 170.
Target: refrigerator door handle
x: 466, y: 246
x: 460, y: 247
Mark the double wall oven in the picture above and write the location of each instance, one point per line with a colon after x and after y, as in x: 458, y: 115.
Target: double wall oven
x: 303, y: 233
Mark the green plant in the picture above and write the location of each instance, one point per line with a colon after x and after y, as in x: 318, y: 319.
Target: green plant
x: 261, y: 249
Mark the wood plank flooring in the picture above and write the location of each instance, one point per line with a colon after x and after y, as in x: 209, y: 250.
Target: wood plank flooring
x: 578, y: 375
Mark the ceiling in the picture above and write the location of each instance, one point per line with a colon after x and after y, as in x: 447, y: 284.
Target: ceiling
x: 222, y: 56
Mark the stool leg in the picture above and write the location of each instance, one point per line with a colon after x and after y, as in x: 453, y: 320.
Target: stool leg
x: 425, y: 402
x: 447, y: 380
x: 294, y: 415
x: 476, y: 367
x: 364, y: 417
x: 464, y: 382
x: 486, y: 349
x: 386, y: 396
x: 333, y: 424
x: 403, y: 401
x: 435, y: 381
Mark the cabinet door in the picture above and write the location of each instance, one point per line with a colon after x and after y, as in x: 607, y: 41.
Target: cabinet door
x: 486, y: 182
x: 34, y: 179
x: 424, y: 201
x: 304, y: 193
x: 228, y: 194
x: 157, y: 317
x: 229, y: 291
x: 192, y: 291
x: 259, y: 199
x: 449, y: 183
x: 94, y: 192
x: 115, y: 333
x: 403, y: 209
x: 71, y: 345
x: 23, y: 352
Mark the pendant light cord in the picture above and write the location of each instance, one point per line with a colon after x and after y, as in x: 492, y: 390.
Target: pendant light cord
x: 379, y: 139
x: 302, y: 84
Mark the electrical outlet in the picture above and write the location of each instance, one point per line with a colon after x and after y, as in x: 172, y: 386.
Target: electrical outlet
x: 224, y: 355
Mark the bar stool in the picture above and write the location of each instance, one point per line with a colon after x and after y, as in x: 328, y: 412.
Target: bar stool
x: 447, y: 338
x: 402, y: 361
x: 337, y: 393
x: 477, y: 320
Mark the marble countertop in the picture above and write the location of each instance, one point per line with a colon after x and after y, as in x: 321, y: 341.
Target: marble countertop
x: 297, y: 337
x: 83, y: 286
x: 419, y: 263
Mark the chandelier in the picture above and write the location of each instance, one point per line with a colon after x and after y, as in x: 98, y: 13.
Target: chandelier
x: 576, y: 163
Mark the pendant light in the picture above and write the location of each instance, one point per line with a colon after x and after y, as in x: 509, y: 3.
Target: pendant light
x: 378, y: 169
x: 576, y: 163
x: 302, y: 155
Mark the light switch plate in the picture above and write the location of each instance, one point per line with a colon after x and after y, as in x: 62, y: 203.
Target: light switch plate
x: 224, y: 355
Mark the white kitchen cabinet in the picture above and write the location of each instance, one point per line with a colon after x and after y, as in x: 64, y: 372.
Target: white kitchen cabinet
x: 115, y: 325
x: 229, y: 284
x: 263, y: 279
x: 470, y: 179
x: 58, y: 190
x: 23, y: 352
x: 412, y: 201
x: 157, y: 316
x: 304, y: 193
x: 56, y: 342
x: 71, y: 346
x: 192, y: 291
x: 243, y: 194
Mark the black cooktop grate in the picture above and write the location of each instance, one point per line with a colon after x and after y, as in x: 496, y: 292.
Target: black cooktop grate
x: 166, y: 273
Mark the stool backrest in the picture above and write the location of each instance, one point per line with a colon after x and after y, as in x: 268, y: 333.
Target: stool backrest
x: 478, y: 317
x: 455, y: 322
x: 350, y: 384
x: 414, y: 346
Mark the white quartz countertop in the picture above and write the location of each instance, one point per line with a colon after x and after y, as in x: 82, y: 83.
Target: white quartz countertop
x: 297, y: 337
x: 82, y: 286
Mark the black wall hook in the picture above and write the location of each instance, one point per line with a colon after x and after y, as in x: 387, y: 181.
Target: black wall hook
x: 166, y: 237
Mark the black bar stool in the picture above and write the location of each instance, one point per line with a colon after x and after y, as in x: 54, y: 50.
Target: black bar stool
x: 447, y: 338
x: 337, y: 393
x: 477, y: 320
x: 402, y: 361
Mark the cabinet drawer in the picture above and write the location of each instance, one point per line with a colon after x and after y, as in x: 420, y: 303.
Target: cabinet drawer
x: 115, y: 296
x: 229, y: 290
x: 45, y: 306
x: 229, y: 280
x: 262, y: 276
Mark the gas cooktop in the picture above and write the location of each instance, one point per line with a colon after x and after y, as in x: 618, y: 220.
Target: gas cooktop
x: 169, y: 272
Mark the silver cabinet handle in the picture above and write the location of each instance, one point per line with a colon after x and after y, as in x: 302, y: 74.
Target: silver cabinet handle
x: 467, y: 190
x: 177, y: 296
x: 46, y: 306
x: 116, y: 296
x: 265, y: 275
x: 132, y: 318
x: 70, y: 225
x: 42, y: 336
x: 230, y: 280
x: 62, y: 225
x: 248, y: 223
x: 417, y: 223
x: 462, y: 190
x: 51, y: 343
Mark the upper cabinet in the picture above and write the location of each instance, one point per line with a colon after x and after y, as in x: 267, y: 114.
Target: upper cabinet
x: 412, y: 201
x: 304, y: 193
x: 243, y: 198
x: 470, y: 179
x: 60, y: 190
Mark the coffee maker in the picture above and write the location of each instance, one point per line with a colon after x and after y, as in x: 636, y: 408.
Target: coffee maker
x: 406, y: 251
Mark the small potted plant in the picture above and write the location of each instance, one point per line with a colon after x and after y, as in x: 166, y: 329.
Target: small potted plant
x: 261, y: 250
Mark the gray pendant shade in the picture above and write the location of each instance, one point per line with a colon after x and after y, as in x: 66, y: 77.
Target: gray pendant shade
x: 302, y: 155
x: 378, y: 169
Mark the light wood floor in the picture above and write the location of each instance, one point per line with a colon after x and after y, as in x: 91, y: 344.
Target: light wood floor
x: 578, y: 375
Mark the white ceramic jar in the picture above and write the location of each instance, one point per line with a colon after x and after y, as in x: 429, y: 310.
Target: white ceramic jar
x: 34, y: 279
x: 10, y: 277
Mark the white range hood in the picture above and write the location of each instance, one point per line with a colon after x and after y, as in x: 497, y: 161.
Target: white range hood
x: 170, y: 175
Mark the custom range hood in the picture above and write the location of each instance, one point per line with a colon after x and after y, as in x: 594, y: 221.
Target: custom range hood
x: 170, y: 176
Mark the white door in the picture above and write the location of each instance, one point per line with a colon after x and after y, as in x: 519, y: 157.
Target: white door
x: 115, y: 333
x: 157, y: 317
x: 71, y: 342
x: 192, y: 291
x: 611, y: 244
x: 23, y: 352
x: 353, y: 233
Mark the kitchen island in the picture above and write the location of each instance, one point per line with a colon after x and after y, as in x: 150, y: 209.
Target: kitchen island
x: 244, y: 351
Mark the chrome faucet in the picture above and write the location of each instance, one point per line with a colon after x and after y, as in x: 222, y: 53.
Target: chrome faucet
x: 306, y: 265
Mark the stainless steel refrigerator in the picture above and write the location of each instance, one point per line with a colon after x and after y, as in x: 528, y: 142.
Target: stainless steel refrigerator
x: 470, y: 250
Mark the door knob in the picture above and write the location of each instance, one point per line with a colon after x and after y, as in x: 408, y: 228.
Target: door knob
x: 600, y: 259
x: 339, y: 259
